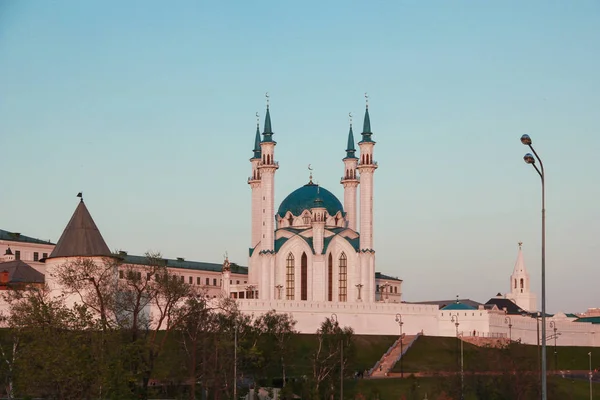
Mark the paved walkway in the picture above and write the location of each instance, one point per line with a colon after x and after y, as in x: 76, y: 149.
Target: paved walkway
x: 387, y: 362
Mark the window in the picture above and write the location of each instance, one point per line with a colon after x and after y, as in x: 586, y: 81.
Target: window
x: 241, y: 295
x: 44, y: 255
x: 215, y: 282
x: 17, y: 254
x: 121, y: 274
x: 395, y: 289
x: 36, y: 256
x: 231, y: 281
x: 207, y: 281
x: 148, y: 276
x: 377, y: 289
x: 190, y: 280
x: 304, y: 277
x: 306, y: 219
x: 182, y: 278
x: 343, y: 278
x: 289, y: 277
x: 330, y: 278
x: 237, y: 282
x: 198, y: 280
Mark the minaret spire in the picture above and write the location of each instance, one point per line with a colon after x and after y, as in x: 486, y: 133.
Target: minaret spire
x: 350, y: 149
x: 257, y: 139
x: 366, y: 133
x: 268, y: 132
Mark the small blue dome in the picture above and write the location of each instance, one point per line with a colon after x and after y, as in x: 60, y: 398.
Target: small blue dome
x: 304, y: 199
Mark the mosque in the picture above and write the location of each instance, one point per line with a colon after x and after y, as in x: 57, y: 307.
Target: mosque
x: 313, y: 257
x: 310, y: 249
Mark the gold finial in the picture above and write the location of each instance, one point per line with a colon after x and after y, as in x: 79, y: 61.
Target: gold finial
x: 367, y: 99
x: 267, y: 96
x: 350, y: 117
x: 520, y: 245
x: 310, y: 173
x: 257, y: 119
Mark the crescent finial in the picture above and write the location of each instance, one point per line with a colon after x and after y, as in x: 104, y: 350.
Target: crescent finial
x: 267, y: 96
x: 367, y: 99
x: 350, y: 117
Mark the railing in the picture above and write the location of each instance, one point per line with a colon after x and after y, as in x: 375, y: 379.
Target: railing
x: 392, y: 347
x: 408, y: 346
x: 389, y: 350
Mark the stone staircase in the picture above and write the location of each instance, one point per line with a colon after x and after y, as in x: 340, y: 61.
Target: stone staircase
x: 392, y: 356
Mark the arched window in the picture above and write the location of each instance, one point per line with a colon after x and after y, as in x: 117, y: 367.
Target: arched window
x: 304, y: 277
x: 515, y: 283
x: 289, y: 277
x: 330, y: 278
x: 343, y: 277
x: 521, y: 285
x: 291, y: 220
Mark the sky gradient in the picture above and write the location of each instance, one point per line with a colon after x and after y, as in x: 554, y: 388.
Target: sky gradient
x: 149, y: 108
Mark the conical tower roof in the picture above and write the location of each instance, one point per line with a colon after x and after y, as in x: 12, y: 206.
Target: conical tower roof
x: 520, y: 264
x: 81, y: 237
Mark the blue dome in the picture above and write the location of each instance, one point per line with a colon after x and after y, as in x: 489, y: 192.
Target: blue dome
x: 304, y: 199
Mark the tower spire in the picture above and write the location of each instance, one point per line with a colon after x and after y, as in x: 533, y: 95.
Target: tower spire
x: 257, y: 139
x: 268, y: 132
x: 366, y: 133
x: 350, y: 150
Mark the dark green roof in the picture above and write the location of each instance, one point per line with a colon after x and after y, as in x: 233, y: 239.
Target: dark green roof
x: 17, y: 237
x: 458, y: 306
x: 304, y: 199
x: 592, y: 320
x: 184, y: 264
x: 350, y: 150
x: 268, y: 132
x: 379, y: 275
x: 257, y: 152
x: 366, y: 133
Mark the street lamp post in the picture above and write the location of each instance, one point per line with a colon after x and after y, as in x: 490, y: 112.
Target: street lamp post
x: 235, y: 327
x: 462, y: 374
x: 529, y: 159
x: 555, y: 336
x: 508, y: 321
x: 335, y: 318
x: 400, y: 323
x: 590, y: 355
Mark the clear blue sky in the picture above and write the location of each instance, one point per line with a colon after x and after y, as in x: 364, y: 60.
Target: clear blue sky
x: 148, y: 108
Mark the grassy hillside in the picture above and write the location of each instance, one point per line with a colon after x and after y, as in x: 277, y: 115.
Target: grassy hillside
x: 430, y: 354
x: 417, y: 388
x: 368, y: 349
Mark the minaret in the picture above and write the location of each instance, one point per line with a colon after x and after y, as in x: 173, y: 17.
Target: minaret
x: 366, y: 167
x: 349, y: 180
x: 267, y: 168
x: 254, y: 182
x: 520, y: 291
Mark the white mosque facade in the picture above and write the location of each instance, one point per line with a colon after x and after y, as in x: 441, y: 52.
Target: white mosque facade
x: 313, y: 257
